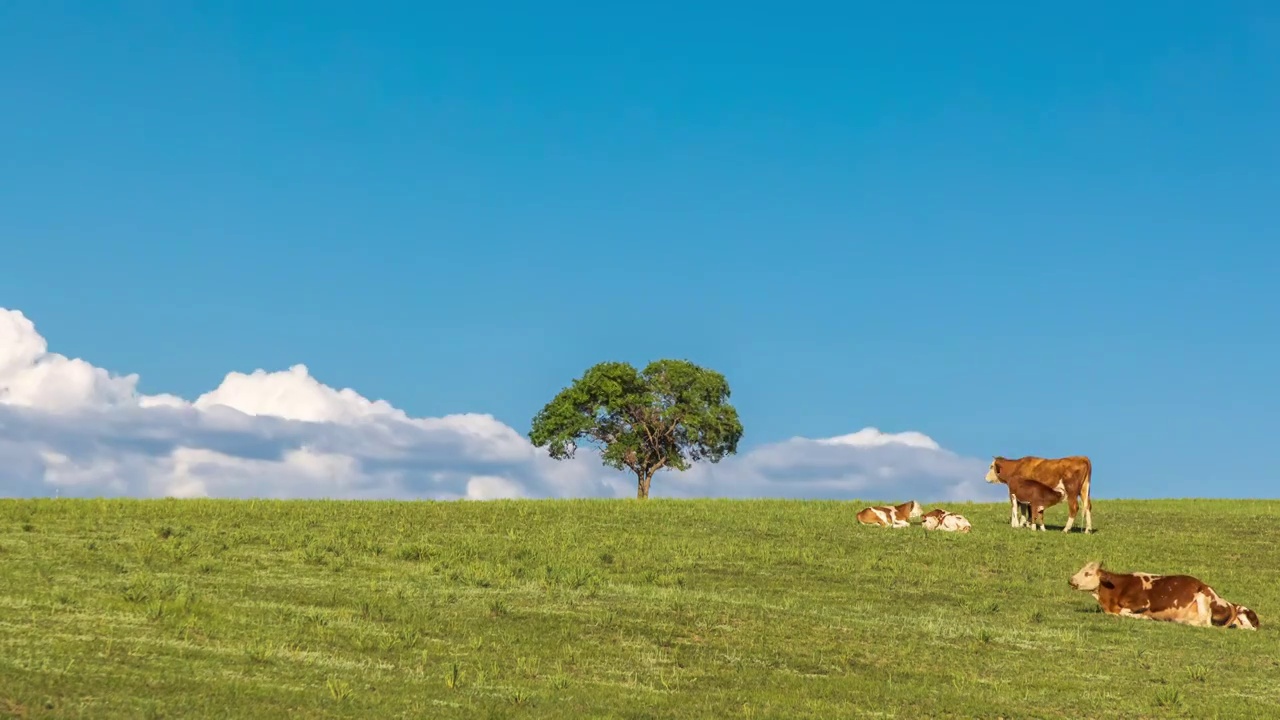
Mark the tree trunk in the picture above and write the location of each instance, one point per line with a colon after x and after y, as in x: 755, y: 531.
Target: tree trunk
x: 642, y: 484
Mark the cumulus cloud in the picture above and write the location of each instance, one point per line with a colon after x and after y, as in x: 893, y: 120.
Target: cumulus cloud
x: 70, y: 428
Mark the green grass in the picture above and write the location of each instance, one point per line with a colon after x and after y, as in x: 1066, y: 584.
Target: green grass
x: 716, y: 609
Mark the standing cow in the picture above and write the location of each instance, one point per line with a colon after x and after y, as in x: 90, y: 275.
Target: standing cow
x: 1073, y: 472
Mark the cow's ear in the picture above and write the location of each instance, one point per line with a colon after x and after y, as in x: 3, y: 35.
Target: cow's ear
x: 1107, y: 584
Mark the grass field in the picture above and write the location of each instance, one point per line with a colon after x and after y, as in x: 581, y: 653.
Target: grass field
x: 674, y: 609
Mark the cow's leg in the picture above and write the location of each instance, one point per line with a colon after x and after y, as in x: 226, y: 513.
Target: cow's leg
x: 1204, y: 611
x: 1016, y: 518
x: 1020, y: 521
x: 1073, y: 506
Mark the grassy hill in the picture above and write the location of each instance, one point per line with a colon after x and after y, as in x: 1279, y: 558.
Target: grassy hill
x: 620, y: 609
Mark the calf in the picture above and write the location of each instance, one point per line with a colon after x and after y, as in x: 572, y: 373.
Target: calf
x: 1075, y: 473
x: 1174, y: 598
x: 897, y: 516
x: 940, y: 519
x: 1036, y: 494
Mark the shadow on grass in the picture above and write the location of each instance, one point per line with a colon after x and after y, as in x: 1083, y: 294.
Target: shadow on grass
x: 1050, y: 527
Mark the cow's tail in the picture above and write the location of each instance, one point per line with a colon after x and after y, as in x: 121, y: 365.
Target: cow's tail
x: 1084, y: 486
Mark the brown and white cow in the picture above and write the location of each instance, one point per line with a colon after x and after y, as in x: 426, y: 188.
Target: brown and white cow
x: 1036, y: 495
x: 1173, y: 598
x: 1074, y: 472
x: 896, y: 516
x: 940, y: 519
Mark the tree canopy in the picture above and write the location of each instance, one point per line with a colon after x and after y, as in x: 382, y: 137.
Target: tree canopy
x: 667, y: 416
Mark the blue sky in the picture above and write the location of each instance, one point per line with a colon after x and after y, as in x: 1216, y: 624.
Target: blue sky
x: 1020, y: 228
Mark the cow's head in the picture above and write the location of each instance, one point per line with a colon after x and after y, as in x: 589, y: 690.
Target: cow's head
x: 1231, y: 615
x: 993, y: 472
x: 916, y: 510
x: 1245, y: 618
x: 1250, y: 616
x: 1087, y: 578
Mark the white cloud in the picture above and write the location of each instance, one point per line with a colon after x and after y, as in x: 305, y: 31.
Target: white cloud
x: 30, y: 376
x: 71, y: 428
x: 867, y: 464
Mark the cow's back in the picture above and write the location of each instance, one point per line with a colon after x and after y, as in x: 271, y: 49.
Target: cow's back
x: 1170, y: 591
x: 875, y: 516
x: 1072, y: 470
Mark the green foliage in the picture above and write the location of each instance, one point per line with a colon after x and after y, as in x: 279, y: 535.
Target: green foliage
x: 667, y: 416
x: 607, y: 609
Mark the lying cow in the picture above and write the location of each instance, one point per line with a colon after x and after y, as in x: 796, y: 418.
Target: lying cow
x: 1075, y: 473
x: 896, y: 516
x: 940, y: 519
x: 1175, y: 598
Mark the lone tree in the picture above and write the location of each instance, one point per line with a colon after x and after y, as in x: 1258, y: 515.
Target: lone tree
x: 669, y: 415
